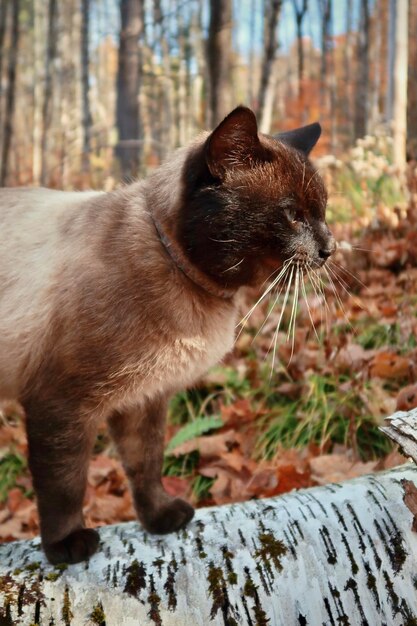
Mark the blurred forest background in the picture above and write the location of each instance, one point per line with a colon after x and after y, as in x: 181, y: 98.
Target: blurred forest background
x: 83, y: 81
x: 96, y: 92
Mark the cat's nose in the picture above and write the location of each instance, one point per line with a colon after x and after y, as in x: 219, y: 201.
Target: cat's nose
x: 328, y: 249
x: 324, y: 254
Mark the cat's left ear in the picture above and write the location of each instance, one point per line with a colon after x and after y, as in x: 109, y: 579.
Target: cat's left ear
x: 303, y: 139
x: 234, y: 143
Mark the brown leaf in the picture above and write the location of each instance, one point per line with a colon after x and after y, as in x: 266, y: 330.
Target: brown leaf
x: 410, y: 500
x: 334, y: 468
x: 390, y: 365
x: 353, y: 357
x: 211, y: 445
x: 176, y: 486
x: 237, y: 413
x: 109, y: 508
x: 407, y: 398
x: 393, y: 459
x: 263, y: 481
x: 14, y: 499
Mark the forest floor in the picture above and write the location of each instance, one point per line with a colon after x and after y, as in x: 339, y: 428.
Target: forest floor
x: 253, y: 428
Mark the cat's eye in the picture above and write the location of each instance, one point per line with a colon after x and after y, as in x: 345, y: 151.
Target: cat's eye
x: 291, y: 215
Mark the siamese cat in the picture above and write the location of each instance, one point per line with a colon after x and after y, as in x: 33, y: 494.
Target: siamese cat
x: 112, y: 302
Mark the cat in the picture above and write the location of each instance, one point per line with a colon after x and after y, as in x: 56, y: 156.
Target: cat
x: 112, y: 302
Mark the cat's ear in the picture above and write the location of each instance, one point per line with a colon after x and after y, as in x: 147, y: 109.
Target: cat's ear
x: 303, y: 139
x: 234, y: 143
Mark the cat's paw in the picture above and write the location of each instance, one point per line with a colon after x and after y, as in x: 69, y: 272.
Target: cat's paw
x: 77, y: 546
x: 170, y: 517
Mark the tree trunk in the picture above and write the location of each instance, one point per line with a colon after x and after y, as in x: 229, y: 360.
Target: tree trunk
x: 339, y: 554
x: 400, y: 84
x: 300, y: 12
x: 375, y: 63
x: 402, y: 428
x: 47, y: 96
x: 10, y: 98
x: 38, y: 82
x: 348, y: 57
x: 389, y: 100
x: 85, y: 77
x: 219, y: 51
x: 362, y: 82
x: 4, y: 5
x: 325, y: 9
x: 128, y: 86
x: 412, y: 84
x: 268, y: 70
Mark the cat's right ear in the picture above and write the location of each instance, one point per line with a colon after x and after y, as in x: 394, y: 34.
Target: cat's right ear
x: 234, y: 143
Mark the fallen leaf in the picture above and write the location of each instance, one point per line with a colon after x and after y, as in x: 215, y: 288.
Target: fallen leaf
x: 176, y: 486
x: 390, y: 365
x: 407, y: 398
x: 209, y: 446
x: 334, y: 468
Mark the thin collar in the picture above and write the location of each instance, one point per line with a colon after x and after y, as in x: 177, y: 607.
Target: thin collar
x: 192, y: 272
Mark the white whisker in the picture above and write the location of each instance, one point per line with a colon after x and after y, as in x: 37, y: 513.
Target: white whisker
x: 332, y: 285
x: 275, y: 336
x: 344, y: 286
x: 304, y: 292
x: 272, y: 308
x: 349, y: 273
x: 233, y: 266
x: 291, y: 329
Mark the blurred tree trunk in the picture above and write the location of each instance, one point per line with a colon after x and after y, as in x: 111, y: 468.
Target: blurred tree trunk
x: 4, y: 5
x: 412, y: 83
x: 219, y: 51
x: 129, y: 76
x: 167, y: 135
x: 389, y: 100
x: 300, y: 11
x: 48, y: 93
x: 269, y: 72
x: 400, y: 83
x: 38, y: 83
x: 85, y: 77
x: 376, y: 49
x: 200, y: 78
x: 10, y: 98
x: 181, y: 78
x: 348, y: 58
x: 362, y: 73
x: 325, y: 10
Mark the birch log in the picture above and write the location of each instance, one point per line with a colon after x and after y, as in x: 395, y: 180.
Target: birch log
x: 339, y: 554
x: 401, y: 427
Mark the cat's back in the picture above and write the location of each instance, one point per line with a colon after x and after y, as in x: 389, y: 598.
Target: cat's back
x: 33, y: 249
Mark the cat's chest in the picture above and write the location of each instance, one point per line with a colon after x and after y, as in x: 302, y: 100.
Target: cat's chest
x: 177, y: 361
x: 188, y: 356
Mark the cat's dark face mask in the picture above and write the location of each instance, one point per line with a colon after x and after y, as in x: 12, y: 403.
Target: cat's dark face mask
x: 254, y: 202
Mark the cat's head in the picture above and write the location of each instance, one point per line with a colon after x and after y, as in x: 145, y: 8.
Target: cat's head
x: 251, y: 202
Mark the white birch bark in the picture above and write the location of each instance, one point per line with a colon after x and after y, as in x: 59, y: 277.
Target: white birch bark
x: 402, y: 428
x: 338, y: 554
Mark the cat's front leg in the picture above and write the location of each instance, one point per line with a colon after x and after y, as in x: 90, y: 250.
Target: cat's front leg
x: 139, y: 435
x: 60, y: 443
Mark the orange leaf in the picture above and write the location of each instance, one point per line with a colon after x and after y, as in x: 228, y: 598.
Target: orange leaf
x: 390, y: 365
